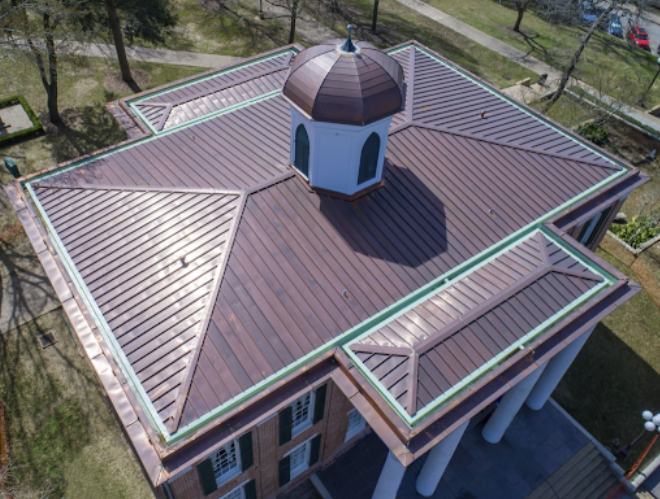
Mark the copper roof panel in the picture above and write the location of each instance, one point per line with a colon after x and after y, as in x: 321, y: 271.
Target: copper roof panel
x: 448, y: 350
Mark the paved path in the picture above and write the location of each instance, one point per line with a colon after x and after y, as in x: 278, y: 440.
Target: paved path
x: 518, y: 56
x: 162, y: 56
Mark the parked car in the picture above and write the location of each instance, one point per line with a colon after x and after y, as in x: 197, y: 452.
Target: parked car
x: 614, y: 28
x: 639, y: 37
x: 589, y: 14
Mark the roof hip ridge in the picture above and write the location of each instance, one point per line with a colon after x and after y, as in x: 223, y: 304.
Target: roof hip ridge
x: 182, y: 396
x: 467, y: 135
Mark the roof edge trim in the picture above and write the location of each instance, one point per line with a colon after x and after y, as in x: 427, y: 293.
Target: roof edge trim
x: 420, y: 415
x: 419, y: 294
x: 426, y: 51
x: 149, y: 138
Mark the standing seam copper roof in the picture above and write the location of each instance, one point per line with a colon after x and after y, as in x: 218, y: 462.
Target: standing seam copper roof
x: 355, y: 88
x: 453, y: 188
x: 433, y: 347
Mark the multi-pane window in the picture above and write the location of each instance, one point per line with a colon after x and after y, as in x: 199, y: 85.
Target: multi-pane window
x: 301, y: 414
x: 299, y: 459
x: 356, y: 424
x: 226, y: 462
x: 237, y: 493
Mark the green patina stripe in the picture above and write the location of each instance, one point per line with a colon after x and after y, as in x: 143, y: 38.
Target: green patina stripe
x: 383, y: 316
x: 455, y: 390
x: 506, y: 98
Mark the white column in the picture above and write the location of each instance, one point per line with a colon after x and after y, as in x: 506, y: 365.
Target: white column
x: 557, y: 367
x: 437, y: 461
x: 508, y: 407
x: 389, y: 479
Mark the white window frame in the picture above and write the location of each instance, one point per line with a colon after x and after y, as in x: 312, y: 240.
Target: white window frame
x: 351, y: 432
x: 225, y: 477
x: 240, y: 488
x: 293, y: 473
x: 297, y: 430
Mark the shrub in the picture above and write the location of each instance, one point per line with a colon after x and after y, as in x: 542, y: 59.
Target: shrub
x: 638, y: 231
x: 595, y: 133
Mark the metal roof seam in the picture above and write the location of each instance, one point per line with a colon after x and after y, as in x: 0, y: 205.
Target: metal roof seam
x: 428, y: 52
x: 183, y: 392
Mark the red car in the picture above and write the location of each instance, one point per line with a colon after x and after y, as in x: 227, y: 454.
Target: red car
x: 639, y: 37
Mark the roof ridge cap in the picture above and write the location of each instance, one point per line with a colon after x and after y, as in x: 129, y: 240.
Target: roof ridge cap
x: 466, y: 135
x: 182, y: 396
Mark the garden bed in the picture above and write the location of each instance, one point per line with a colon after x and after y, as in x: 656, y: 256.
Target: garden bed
x: 15, y: 112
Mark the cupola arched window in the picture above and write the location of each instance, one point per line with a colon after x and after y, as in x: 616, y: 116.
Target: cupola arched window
x: 369, y: 159
x: 301, y: 160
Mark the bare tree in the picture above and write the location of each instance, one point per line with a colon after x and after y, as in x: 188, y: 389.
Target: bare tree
x: 293, y: 8
x: 566, y: 75
x: 149, y: 20
x: 521, y: 6
x: 41, y: 30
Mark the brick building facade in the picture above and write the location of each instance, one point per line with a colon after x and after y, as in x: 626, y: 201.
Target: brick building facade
x: 263, y: 478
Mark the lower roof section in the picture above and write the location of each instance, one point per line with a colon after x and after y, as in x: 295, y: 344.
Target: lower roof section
x: 428, y: 353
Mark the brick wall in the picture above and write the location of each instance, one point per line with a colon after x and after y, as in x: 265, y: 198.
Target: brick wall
x: 268, y: 453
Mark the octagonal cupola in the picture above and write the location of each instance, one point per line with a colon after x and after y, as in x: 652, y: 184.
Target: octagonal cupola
x: 343, y: 96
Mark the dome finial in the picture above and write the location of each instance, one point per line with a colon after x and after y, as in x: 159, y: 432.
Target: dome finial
x: 348, y: 45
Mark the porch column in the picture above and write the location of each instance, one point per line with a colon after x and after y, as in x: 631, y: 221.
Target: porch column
x: 508, y: 407
x: 389, y: 479
x: 557, y: 367
x: 437, y: 461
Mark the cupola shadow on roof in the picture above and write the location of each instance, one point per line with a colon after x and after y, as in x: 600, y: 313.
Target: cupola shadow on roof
x: 326, y: 211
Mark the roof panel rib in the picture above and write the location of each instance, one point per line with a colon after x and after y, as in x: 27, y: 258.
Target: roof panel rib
x: 463, y: 328
x: 150, y: 260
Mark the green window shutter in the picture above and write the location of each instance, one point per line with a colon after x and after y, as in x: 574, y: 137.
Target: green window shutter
x: 207, y: 477
x: 250, y: 490
x: 315, y: 450
x: 286, y: 421
x: 245, y: 445
x: 285, y: 471
x: 319, y: 403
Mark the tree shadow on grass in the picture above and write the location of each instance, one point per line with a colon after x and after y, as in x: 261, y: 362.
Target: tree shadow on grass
x: 393, y: 29
x: 88, y: 130
x: 607, y: 388
x: 46, y: 393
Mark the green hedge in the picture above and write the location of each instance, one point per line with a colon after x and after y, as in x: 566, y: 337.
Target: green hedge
x: 36, y: 127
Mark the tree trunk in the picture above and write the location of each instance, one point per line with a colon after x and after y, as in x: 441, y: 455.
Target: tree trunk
x: 51, y: 87
x: 115, y: 27
x: 521, y: 11
x: 374, y: 17
x: 576, y: 57
x: 294, y: 15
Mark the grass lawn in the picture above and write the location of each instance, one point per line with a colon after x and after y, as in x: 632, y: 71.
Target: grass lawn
x: 82, y: 99
x: 606, y: 57
x: 207, y: 26
x: 398, y: 23
x: 617, y: 374
x: 62, y: 433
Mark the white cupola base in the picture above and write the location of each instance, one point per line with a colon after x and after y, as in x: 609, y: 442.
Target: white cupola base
x: 345, y: 159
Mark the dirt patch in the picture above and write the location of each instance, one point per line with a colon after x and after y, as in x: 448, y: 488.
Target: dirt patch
x: 113, y: 82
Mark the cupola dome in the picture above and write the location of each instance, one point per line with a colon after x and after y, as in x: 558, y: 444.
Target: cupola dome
x: 342, y: 96
x: 345, y: 82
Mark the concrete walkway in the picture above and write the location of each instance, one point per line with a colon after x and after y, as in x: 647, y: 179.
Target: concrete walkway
x: 162, y: 56
x: 520, y: 57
